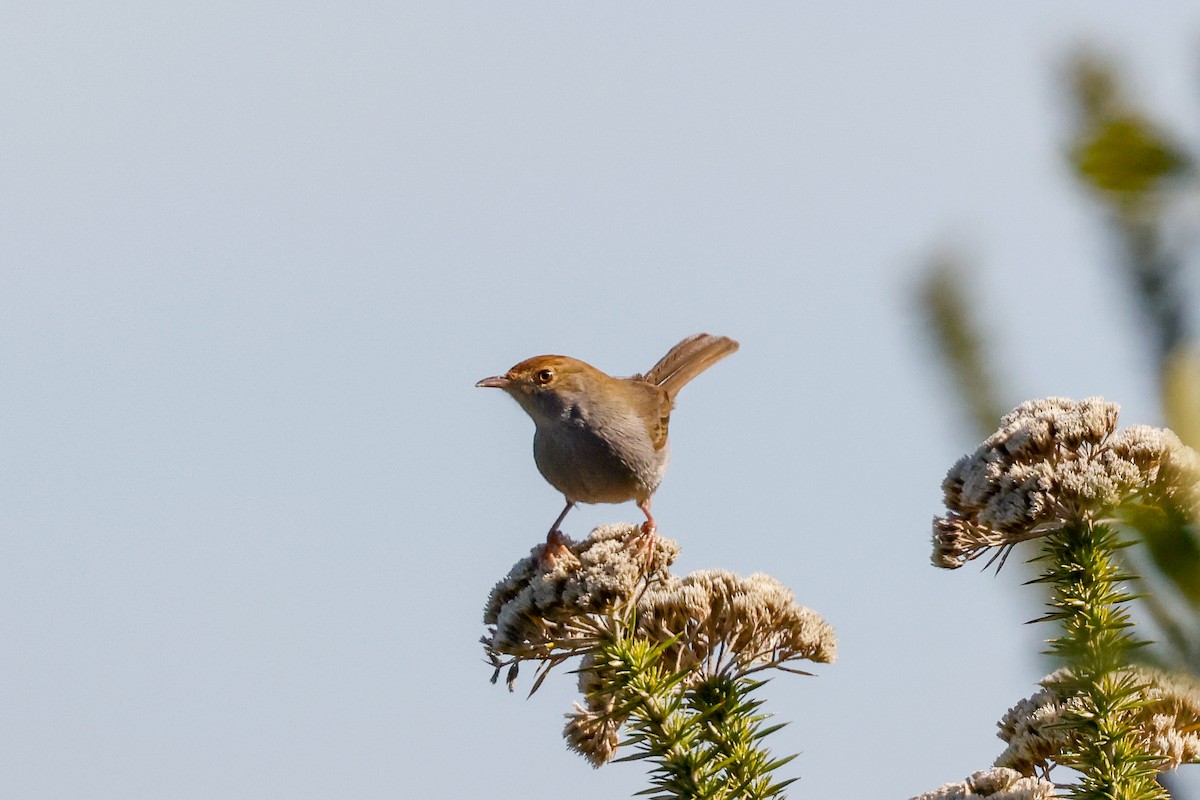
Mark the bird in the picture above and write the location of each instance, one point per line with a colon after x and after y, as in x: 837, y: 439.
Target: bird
x: 599, y: 438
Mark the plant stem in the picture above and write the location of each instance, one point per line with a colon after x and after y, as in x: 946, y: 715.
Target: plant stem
x: 1095, y: 643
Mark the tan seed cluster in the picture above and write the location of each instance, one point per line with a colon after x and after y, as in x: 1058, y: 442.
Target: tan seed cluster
x: 1168, y: 719
x: 710, y: 621
x: 721, y: 621
x: 1055, y: 462
x: 997, y: 784
x: 535, y: 610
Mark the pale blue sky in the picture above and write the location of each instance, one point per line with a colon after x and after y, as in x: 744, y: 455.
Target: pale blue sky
x: 254, y: 256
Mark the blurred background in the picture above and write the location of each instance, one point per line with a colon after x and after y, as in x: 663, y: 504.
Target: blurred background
x: 254, y: 256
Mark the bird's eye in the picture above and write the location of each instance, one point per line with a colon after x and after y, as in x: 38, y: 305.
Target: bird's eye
x: 544, y: 376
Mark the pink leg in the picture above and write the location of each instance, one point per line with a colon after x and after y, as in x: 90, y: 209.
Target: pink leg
x: 649, y: 526
x: 647, y: 536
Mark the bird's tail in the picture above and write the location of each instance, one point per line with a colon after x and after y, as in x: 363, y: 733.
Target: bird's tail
x: 688, y: 359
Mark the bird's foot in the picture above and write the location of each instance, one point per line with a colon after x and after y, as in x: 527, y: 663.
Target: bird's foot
x: 644, y: 541
x: 553, y: 549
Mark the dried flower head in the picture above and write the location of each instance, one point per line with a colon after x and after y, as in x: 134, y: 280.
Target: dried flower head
x: 608, y: 592
x: 1167, y: 719
x: 1167, y: 470
x: 1054, y: 462
x: 997, y: 783
x: 539, y: 611
x: 592, y: 734
x: 592, y: 729
x: 716, y: 620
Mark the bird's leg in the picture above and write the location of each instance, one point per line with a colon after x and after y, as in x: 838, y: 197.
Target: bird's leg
x: 646, y: 538
x: 649, y: 526
x: 555, y: 546
x: 555, y: 535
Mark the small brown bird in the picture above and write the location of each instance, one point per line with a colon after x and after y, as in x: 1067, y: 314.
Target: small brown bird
x: 601, y: 439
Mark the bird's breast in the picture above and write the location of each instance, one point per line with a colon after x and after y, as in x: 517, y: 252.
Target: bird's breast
x: 606, y: 460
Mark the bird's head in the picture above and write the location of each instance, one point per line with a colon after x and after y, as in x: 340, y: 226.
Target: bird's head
x: 547, y: 386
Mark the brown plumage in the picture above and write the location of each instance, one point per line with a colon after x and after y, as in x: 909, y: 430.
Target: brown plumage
x: 601, y: 439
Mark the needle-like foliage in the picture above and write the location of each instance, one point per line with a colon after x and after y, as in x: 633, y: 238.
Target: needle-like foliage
x: 1060, y: 472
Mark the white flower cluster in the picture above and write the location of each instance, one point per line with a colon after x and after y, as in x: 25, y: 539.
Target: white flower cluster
x: 716, y: 620
x: 537, y: 609
x: 710, y: 622
x: 997, y: 783
x: 1167, y: 718
x: 593, y: 730
x: 1055, y: 462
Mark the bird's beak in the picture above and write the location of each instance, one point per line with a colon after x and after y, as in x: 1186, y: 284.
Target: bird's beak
x: 495, y: 382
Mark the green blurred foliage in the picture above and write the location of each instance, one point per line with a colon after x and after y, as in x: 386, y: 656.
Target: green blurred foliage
x: 944, y: 296
x: 1116, y: 151
x: 1123, y: 156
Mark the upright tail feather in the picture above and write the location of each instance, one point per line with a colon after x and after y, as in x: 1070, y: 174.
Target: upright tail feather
x: 688, y: 359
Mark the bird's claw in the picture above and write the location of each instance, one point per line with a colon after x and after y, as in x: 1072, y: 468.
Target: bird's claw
x: 644, y: 541
x: 555, y: 546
